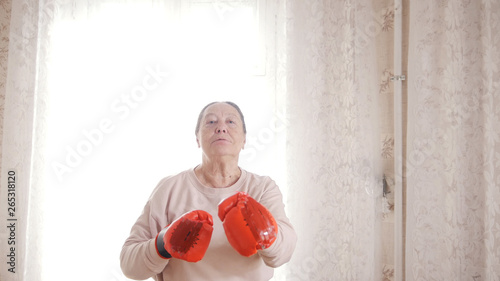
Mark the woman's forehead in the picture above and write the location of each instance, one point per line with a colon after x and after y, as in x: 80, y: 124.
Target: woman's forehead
x: 221, y: 109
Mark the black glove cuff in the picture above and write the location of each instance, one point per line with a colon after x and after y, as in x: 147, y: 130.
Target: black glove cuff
x: 160, y: 245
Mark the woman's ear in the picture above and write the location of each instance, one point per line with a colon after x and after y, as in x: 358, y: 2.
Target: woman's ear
x: 244, y: 142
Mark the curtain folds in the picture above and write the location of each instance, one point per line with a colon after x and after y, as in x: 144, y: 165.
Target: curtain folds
x: 453, y: 165
x: 21, y: 172
x: 333, y: 142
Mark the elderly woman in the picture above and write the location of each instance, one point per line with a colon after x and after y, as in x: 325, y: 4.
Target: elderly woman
x: 216, y: 221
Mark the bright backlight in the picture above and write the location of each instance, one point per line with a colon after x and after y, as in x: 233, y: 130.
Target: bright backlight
x: 126, y: 85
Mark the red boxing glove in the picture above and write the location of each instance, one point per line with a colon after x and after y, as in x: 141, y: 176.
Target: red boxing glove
x: 249, y: 226
x: 186, y: 238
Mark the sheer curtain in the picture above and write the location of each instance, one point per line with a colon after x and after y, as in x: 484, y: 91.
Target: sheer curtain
x: 337, y: 87
x: 453, y: 167
x: 22, y: 138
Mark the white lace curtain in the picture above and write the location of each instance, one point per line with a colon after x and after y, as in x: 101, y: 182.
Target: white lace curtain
x: 453, y: 167
x: 22, y: 91
x: 334, y: 62
x: 451, y: 139
x: 333, y: 142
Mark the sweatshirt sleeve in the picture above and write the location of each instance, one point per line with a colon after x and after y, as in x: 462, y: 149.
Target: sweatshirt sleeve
x: 139, y: 259
x: 282, y: 249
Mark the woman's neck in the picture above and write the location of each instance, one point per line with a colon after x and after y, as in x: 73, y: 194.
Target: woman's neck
x: 220, y: 174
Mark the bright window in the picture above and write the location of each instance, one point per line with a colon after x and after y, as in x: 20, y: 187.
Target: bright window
x: 126, y: 85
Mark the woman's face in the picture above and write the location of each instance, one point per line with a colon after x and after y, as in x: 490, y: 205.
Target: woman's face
x: 221, y: 131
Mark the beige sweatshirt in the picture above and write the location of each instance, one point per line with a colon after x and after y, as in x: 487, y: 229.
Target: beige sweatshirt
x: 176, y: 195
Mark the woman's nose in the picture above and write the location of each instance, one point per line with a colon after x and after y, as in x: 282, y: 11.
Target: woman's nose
x: 221, y: 129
